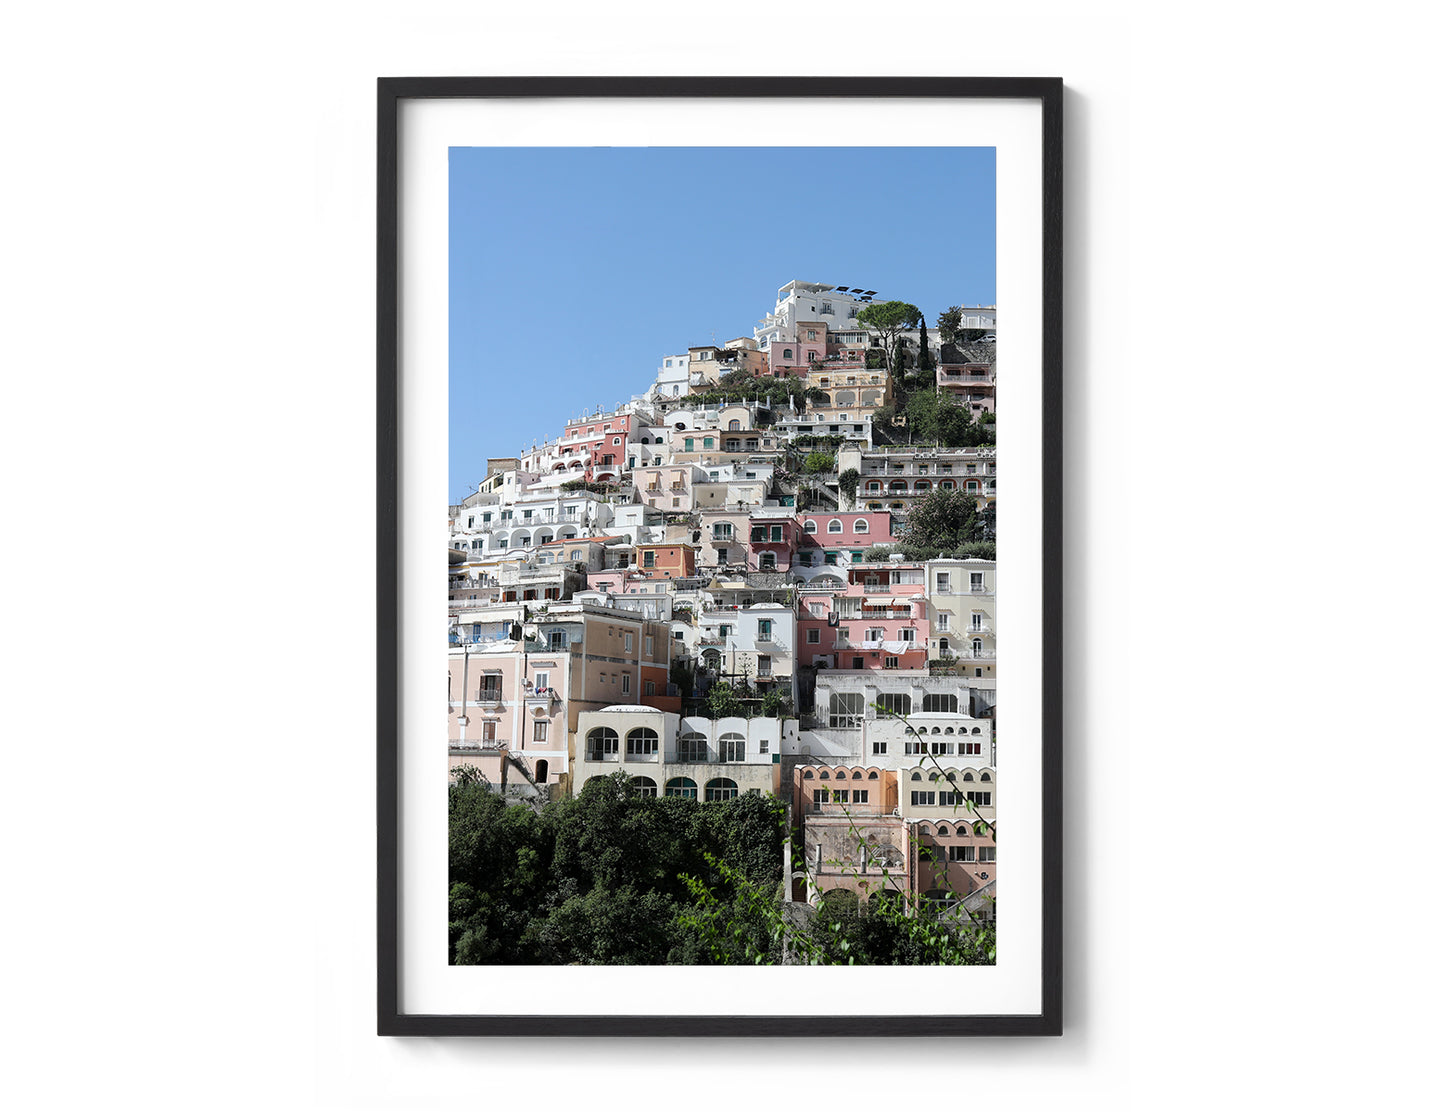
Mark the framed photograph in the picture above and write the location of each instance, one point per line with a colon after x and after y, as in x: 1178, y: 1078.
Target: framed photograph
x: 693, y: 397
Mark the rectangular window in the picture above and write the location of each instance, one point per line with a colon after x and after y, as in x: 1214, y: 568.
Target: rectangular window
x: 975, y: 582
x: 777, y: 533
x: 907, y: 634
x: 627, y: 642
x: 960, y: 853
x: 880, y: 748
x: 649, y: 559
x: 820, y: 797
x: 942, y: 622
x: 981, y: 799
x: 543, y: 681
x: 860, y: 796
x: 895, y: 702
x: 970, y: 749
x: 977, y: 621
x: 539, y: 731
x: 840, y: 795
x: 950, y: 799
x: 765, y: 629
x: 915, y: 748
x: 626, y: 683
x: 890, y: 662
x: 687, y: 443
x: 707, y: 442
x: 734, y: 749
x: 556, y: 640
x: 762, y: 745
x: 760, y: 533
x: 943, y: 583
x: 845, y: 709
x: 988, y: 853
x: 814, y: 636
x: 923, y: 799
x: 765, y: 665
x: 491, y: 689
x: 647, y: 646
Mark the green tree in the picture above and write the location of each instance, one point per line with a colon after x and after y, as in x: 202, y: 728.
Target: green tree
x: 949, y: 323
x: 819, y: 463
x: 890, y: 319
x: 848, y: 482
x: 940, y: 522
x: 925, y: 357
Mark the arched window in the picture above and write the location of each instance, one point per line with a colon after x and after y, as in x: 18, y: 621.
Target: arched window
x: 937, y: 730
x: 940, y: 704
x: 718, y: 790
x: 825, y: 775
x: 681, y: 787
x: 922, y: 484
x: 947, y: 484
x: 985, y: 777
x: 898, y: 484
x: 644, y: 785
x: 975, y: 730
x: 808, y: 774
x: 602, y: 744
x: 734, y: 748
x: 767, y: 561
x: 810, y: 526
x: 642, y: 742
x: 860, y: 526
x: 692, y: 746
x: 787, y: 353
x: 873, y: 776
x: 875, y: 487
x: 735, y: 425
x: 968, y: 777
x: 948, y: 729
x: 835, y: 526
x: 916, y: 776
x: 857, y: 776
x: 943, y: 831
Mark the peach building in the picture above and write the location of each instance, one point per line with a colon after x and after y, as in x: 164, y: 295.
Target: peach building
x: 851, y: 839
x: 665, y: 561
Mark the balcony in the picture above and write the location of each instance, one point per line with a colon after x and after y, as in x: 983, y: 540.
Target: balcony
x: 477, y: 745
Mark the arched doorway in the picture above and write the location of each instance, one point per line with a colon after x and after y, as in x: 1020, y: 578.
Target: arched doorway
x: 540, y: 775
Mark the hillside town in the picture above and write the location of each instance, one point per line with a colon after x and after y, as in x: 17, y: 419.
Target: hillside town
x: 770, y: 573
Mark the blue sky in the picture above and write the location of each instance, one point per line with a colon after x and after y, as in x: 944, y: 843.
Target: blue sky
x: 574, y: 270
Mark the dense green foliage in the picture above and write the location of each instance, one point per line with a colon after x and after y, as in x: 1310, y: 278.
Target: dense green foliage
x: 609, y: 878
x: 848, y: 482
x: 925, y: 356
x: 819, y: 463
x: 948, y: 323
x: 597, y: 880
x: 943, y: 523
x: 890, y: 319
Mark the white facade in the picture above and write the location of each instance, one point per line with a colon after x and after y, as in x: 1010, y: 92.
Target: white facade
x: 668, y: 754
x: 759, y: 640
x: 672, y: 376
x: 807, y: 301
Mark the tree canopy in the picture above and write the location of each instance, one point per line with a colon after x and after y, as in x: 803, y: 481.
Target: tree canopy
x: 890, y: 319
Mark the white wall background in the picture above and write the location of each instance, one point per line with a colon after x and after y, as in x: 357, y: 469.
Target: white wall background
x: 1254, y: 243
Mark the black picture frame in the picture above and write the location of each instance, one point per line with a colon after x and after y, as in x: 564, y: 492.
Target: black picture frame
x: 391, y: 95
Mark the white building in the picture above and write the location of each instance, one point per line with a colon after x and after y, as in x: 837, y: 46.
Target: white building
x: 666, y: 754
x: 834, y: 305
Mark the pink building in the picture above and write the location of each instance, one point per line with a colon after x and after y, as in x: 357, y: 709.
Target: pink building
x: 841, y: 538
x: 970, y: 384
x: 809, y: 350
x: 879, y: 621
x: 772, y: 541
x: 600, y: 444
